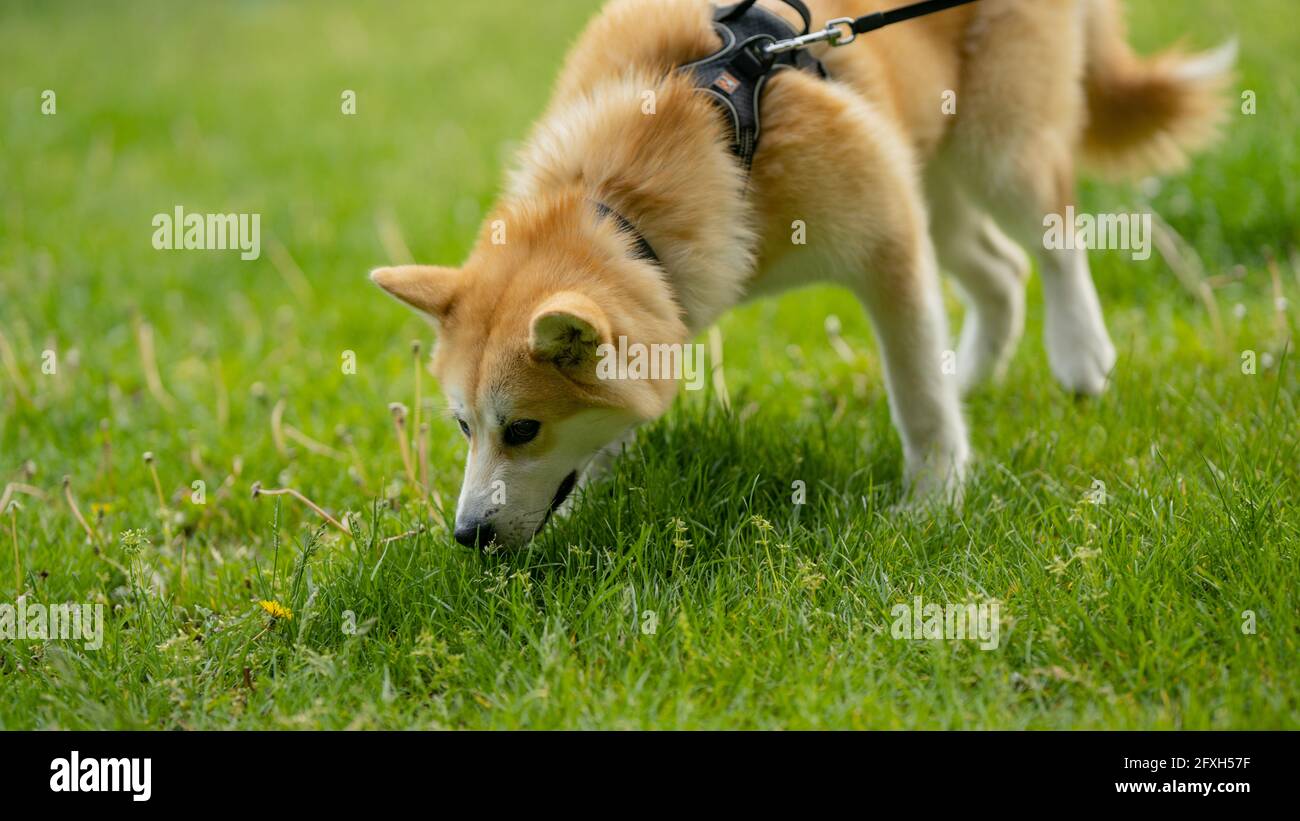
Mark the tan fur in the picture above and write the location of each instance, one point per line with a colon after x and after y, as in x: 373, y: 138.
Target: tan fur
x: 887, y: 185
x: 1146, y: 115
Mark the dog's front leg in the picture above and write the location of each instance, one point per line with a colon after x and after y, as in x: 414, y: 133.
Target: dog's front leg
x: 603, y: 462
x: 837, y: 165
x: 901, y: 293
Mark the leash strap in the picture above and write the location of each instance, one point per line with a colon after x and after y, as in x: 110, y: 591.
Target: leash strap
x: 871, y: 22
x: 844, y: 30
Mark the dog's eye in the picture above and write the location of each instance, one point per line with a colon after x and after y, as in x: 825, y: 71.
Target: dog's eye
x: 464, y: 428
x: 522, y: 431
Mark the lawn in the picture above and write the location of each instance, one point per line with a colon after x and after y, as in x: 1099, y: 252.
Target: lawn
x: 1143, y: 548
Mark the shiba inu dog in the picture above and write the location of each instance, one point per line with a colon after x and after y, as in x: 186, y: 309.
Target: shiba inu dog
x: 940, y: 143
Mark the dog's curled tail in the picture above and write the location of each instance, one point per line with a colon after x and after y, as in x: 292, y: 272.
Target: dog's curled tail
x: 1147, y: 114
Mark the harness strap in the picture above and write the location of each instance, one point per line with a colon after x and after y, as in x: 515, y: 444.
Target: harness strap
x: 642, y: 247
x: 736, y: 11
x: 736, y: 75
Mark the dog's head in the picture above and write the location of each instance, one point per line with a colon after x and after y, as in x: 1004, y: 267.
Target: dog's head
x: 519, y: 334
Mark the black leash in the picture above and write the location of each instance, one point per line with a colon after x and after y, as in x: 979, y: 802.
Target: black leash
x: 844, y: 30
x: 871, y: 22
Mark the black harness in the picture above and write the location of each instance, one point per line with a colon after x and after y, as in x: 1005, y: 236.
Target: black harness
x: 756, y: 44
x: 735, y: 76
x: 643, y: 249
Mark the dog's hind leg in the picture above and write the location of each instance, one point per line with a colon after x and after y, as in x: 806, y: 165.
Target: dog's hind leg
x: 1013, y: 148
x: 1079, y: 349
x: 990, y: 271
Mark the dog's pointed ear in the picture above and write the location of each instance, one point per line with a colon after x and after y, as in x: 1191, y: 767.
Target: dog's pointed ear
x: 426, y: 288
x: 566, y: 329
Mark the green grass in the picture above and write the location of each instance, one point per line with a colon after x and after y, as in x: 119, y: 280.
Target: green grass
x: 1121, y: 615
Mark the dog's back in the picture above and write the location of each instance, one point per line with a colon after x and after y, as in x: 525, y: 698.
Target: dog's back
x: 1003, y: 64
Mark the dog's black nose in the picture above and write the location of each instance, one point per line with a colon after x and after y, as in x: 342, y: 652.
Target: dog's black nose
x: 480, y: 533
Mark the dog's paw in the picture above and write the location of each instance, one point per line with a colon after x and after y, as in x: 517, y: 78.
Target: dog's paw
x: 989, y: 335
x: 937, y: 481
x: 985, y: 351
x: 1080, y: 351
x: 602, y: 464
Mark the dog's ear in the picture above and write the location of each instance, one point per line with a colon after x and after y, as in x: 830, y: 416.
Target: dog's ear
x: 426, y: 288
x: 566, y: 330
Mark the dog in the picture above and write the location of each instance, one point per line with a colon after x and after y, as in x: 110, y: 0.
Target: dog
x: 940, y: 143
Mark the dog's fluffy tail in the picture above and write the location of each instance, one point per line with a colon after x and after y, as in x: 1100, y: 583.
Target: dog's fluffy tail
x: 1147, y: 114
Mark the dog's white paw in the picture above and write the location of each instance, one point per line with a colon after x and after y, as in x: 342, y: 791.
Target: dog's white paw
x: 602, y: 464
x: 937, y: 481
x: 1079, y: 350
x: 986, y: 347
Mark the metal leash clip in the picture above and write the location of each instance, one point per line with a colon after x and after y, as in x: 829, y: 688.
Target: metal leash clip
x: 838, y: 32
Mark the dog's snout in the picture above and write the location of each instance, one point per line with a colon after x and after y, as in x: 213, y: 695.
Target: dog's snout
x: 475, y: 533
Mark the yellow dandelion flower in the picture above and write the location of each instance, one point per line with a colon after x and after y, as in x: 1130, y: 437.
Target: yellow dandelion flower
x: 277, y: 610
